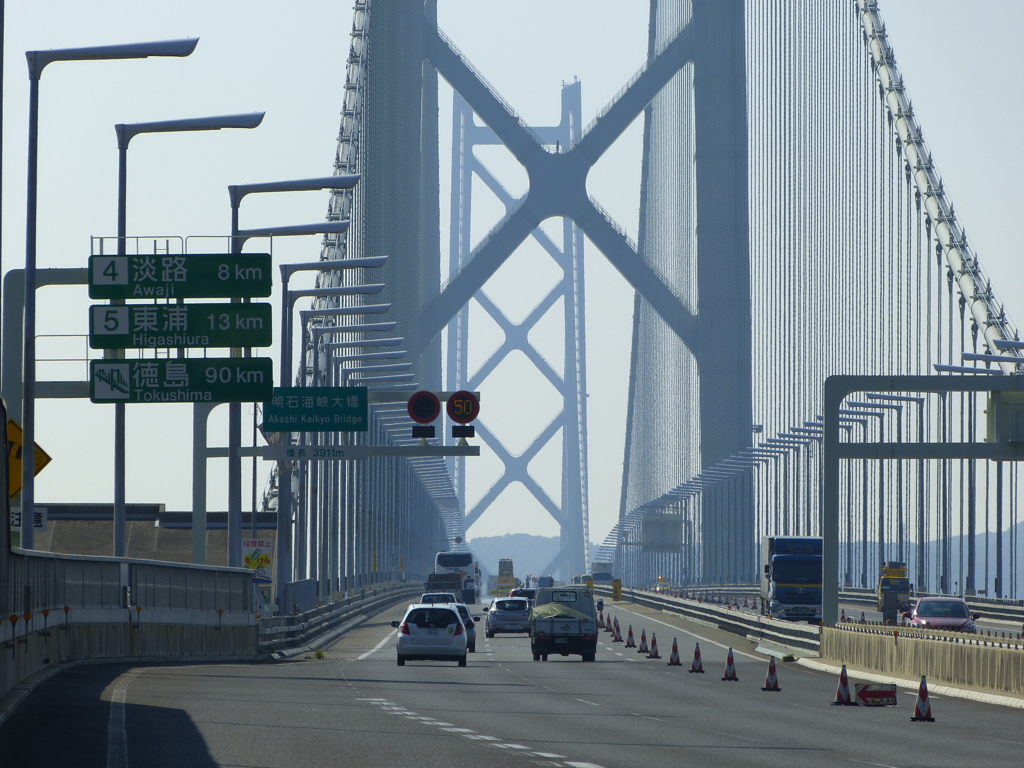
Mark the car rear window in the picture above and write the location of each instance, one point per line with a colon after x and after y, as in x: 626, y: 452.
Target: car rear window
x: 510, y: 605
x: 433, y: 618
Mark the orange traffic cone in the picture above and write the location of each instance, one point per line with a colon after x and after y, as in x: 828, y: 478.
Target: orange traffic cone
x: 644, y: 648
x: 862, y: 619
x: 696, y: 665
x: 730, y: 668
x: 608, y: 625
x: 923, y: 707
x: 771, y: 682
x: 618, y: 633
x: 843, y: 691
x: 673, y: 658
x: 842, y: 615
x: 630, y: 642
x: 654, y: 648
x: 600, y: 620
x: 745, y: 604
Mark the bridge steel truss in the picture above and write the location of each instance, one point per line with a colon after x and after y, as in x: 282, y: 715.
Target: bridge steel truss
x: 858, y: 266
x: 570, y: 511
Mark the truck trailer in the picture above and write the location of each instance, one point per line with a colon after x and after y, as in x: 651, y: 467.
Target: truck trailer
x: 791, y: 577
x: 563, y: 621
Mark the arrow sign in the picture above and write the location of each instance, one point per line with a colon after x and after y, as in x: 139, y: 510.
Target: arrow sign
x: 876, y: 695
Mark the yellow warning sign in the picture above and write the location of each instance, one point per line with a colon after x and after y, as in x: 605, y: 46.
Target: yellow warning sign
x: 14, y: 446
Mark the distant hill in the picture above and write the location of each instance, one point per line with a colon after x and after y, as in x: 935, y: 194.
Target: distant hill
x: 530, y: 554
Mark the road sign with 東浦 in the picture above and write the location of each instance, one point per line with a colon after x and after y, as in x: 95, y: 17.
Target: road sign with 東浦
x: 316, y: 409
x: 180, y: 276
x: 156, y: 326
x: 181, y: 380
x: 883, y: 695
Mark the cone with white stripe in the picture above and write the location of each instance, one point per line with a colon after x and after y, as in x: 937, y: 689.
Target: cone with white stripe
x: 923, y: 707
x: 644, y: 648
x: 697, y: 665
x: 730, y: 668
x: 771, y: 682
x: 610, y: 626
x: 654, y: 648
x: 600, y: 620
x: 843, y: 697
x: 673, y: 658
x: 842, y: 616
x: 630, y: 642
x: 618, y: 633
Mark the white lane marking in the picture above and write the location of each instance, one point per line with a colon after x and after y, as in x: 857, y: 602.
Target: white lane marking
x: 583, y: 765
x: 377, y: 647
x: 864, y: 762
x: 380, y: 700
x: 591, y: 703
x: 117, y: 733
x: 735, y: 736
x: 459, y: 730
x: 480, y: 737
x: 550, y: 755
x: 701, y: 638
x: 647, y: 717
x: 1006, y: 741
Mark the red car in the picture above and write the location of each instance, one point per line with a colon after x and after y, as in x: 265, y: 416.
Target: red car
x: 950, y: 613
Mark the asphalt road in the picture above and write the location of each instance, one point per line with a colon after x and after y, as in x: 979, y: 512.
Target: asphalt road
x: 355, y: 706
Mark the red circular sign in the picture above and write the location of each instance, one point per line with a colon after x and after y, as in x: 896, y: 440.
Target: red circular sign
x: 424, y: 407
x: 463, y: 407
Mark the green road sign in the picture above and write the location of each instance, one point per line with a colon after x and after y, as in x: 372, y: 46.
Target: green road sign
x: 316, y: 409
x: 180, y: 276
x: 153, y: 326
x: 182, y: 380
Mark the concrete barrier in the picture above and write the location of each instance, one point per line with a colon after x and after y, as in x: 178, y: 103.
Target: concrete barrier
x: 964, y: 661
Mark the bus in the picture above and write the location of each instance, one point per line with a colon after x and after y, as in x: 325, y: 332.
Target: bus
x: 462, y: 565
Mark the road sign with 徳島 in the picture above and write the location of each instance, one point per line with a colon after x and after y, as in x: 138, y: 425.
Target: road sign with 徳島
x: 180, y: 276
x: 316, y: 409
x: 157, y: 326
x: 181, y: 380
x: 14, y: 447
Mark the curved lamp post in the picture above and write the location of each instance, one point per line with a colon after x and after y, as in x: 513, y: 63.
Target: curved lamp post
x: 37, y: 61
x: 125, y: 133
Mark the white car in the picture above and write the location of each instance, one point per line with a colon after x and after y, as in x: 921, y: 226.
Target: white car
x: 431, y: 632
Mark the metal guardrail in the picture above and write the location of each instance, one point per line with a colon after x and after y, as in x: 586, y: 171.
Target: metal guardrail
x: 281, y: 633
x: 788, y: 634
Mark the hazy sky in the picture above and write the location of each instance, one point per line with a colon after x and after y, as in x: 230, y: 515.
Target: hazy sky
x: 961, y: 65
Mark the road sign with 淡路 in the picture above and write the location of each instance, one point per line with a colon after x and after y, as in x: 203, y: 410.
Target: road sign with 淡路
x: 180, y: 276
x: 182, y: 380
x: 154, y: 326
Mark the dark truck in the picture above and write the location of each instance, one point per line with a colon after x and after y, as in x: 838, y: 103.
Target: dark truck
x: 563, y: 621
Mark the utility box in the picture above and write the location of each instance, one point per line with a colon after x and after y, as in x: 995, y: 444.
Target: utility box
x: 1005, y: 417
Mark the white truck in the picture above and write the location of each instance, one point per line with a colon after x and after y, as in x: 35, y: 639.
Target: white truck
x: 563, y: 621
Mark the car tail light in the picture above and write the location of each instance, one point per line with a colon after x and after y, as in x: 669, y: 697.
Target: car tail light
x: 404, y: 629
x: 458, y: 629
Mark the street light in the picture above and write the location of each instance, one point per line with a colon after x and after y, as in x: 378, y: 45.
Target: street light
x: 288, y: 298
x: 37, y: 61
x: 237, y: 192
x: 125, y: 133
